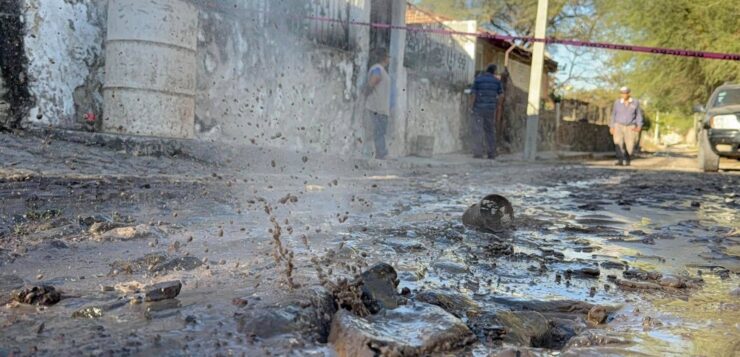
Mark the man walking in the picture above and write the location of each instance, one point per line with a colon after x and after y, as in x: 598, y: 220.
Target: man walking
x: 486, y: 89
x: 378, y: 100
x: 625, y: 126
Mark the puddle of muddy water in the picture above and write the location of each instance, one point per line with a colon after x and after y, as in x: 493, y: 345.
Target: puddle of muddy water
x: 410, y: 223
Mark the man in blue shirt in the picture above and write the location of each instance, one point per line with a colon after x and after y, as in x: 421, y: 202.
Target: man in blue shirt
x: 625, y: 126
x: 487, y: 89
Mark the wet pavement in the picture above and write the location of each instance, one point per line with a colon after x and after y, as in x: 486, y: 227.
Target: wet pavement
x: 265, y: 254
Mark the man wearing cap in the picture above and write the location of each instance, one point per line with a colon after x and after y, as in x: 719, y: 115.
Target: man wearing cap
x: 625, y: 126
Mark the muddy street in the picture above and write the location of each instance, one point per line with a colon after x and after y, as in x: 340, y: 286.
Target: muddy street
x: 280, y: 253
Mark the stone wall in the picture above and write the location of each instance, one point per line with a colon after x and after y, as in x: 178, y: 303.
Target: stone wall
x: 583, y: 136
x: 64, y: 50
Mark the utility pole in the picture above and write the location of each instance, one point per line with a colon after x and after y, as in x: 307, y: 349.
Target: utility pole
x: 535, y: 84
x: 657, y: 128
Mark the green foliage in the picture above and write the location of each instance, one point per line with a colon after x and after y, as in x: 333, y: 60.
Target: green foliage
x: 673, y: 83
x: 674, y: 121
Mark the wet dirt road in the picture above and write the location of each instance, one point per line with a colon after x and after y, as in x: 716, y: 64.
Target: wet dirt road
x: 269, y: 251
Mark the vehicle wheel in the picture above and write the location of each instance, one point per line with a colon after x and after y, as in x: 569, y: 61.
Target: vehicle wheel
x: 708, y: 159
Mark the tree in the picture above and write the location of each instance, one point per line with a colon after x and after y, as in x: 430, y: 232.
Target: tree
x: 673, y: 82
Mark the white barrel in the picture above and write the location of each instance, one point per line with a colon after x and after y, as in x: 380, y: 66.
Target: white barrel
x: 150, y: 68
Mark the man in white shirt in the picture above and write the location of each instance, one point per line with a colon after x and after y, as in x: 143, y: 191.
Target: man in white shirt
x: 378, y: 100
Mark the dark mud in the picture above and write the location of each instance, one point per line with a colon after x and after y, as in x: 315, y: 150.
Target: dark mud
x: 279, y: 257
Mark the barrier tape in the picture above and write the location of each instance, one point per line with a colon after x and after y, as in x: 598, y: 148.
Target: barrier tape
x: 579, y: 43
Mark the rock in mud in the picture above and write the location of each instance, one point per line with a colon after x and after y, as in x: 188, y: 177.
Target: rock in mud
x: 162, y: 291
x: 456, y: 304
x: 177, y: 264
x: 636, y: 285
x: 593, y: 338
x: 100, y: 227
x: 613, y: 265
x: 126, y: 233
x: 402, y: 245
x: 451, y: 267
x: 597, y: 315
x: 89, y: 221
x: 560, y: 306
x: 379, y: 288
x: 672, y: 282
x: 494, y: 213
x: 639, y: 274
x: 38, y: 295
x: 412, y: 330
x: 129, y: 287
x: 307, y: 313
x: 526, y: 328
x: 91, y: 312
x: 587, y: 273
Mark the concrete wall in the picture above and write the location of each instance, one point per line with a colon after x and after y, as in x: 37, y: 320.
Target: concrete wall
x: 63, y: 46
x: 260, y: 79
x: 436, y: 111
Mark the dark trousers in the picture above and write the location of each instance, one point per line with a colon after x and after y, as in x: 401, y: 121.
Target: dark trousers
x: 483, y: 132
x: 380, y: 127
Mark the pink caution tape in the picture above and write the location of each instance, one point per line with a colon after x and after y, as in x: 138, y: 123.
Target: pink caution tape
x: 610, y: 46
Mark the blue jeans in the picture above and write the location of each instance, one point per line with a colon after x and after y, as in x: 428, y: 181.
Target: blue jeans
x: 482, y: 130
x: 380, y: 126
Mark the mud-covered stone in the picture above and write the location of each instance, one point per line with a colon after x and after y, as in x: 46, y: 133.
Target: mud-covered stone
x: 307, y: 313
x: 586, y: 273
x: 597, y: 315
x: 100, y: 227
x: 90, y: 312
x: 526, y: 328
x: 162, y: 291
x: 379, y: 287
x: 177, y: 264
x: 454, y: 303
x: 593, y: 338
x: 639, y: 274
x: 613, y: 265
x: 636, y: 285
x: 89, y: 221
x: 411, y: 330
x: 672, y: 282
x: 561, y: 306
x: 451, y: 267
x: 38, y: 295
x: 127, y: 233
